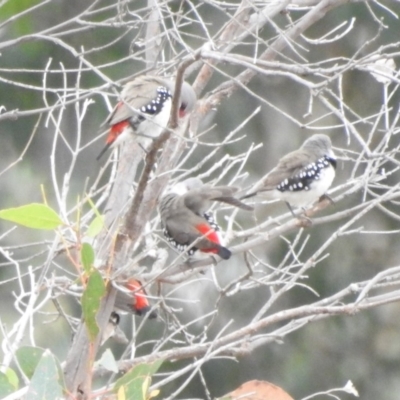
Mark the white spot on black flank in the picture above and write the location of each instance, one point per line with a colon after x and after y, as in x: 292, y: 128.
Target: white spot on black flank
x: 211, y: 221
x: 153, y: 107
x: 305, y: 177
x: 181, y: 247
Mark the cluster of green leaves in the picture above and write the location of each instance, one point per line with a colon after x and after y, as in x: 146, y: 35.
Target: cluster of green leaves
x: 136, y: 382
x: 41, y: 216
x: 42, y: 369
x: 40, y: 366
x: 46, y: 382
x: 94, y: 291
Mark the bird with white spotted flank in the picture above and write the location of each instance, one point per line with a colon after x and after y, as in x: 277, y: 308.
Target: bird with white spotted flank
x: 187, y: 224
x: 144, y: 110
x: 302, y: 176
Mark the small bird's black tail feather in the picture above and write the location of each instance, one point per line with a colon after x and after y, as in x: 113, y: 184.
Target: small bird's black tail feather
x: 105, y: 148
x: 144, y: 310
x: 224, y: 253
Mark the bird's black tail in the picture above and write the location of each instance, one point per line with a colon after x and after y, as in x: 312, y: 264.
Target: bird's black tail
x: 105, y: 148
x: 224, y: 253
x: 144, y: 310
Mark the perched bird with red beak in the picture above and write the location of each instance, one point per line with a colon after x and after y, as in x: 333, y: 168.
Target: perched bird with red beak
x: 135, y: 300
x: 302, y: 176
x: 187, y: 224
x: 145, y: 108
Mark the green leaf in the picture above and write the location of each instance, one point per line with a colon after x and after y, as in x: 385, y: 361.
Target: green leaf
x: 108, y: 362
x: 12, y: 378
x: 134, y: 389
x: 87, y: 257
x: 28, y: 358
x: 45, y: 383
x: 136, y: 379
x: 97, y: 223
x: 6, y: 387
x: 91, y: 298
x: 95, y: 226
x: 37, y: 216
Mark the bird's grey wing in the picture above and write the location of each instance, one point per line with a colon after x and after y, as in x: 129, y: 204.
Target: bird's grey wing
x: 288, y: 166
x: 188, y: 234
x: 198, y: 200
x: 136, y: 94
x: 181, y: 232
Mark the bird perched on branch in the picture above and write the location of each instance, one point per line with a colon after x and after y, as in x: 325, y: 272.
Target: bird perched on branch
x: 135, y: 301
x: 186, y: 222
x: 113, y: 330
x: 302, y: 176
x: 145, y: 108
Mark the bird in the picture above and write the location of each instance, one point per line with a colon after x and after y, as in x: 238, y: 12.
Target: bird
x: 186, y: 223
x: 113, y: 330
x: 300, y: 177
x: 135, y: 301
x: 144, y: 109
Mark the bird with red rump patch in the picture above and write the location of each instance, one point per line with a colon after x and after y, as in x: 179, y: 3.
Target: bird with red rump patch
x: 187, y: 224
x: 135, y: 300
x: 144, y: 109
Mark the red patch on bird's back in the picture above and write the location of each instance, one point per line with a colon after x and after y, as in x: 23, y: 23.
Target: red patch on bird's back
x: 115, y: 131
x: 141, y: 301
x: 210, y: 234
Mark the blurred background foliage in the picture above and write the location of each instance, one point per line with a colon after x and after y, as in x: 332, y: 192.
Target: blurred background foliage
x: 364, y: 347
